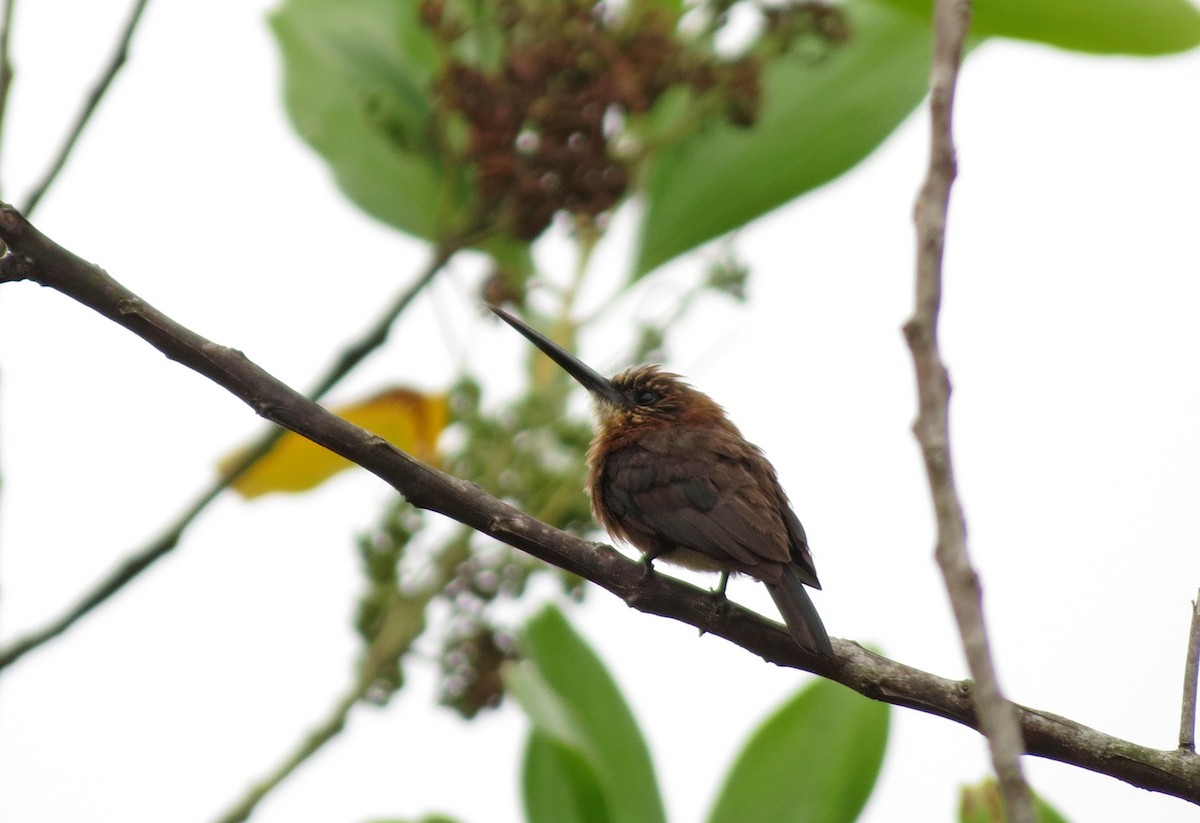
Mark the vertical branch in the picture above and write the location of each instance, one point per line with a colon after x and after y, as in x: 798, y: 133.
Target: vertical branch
x: 120, y: 55
x: 6, y: 67
x: 1187, y: 717
x: 998, y: 717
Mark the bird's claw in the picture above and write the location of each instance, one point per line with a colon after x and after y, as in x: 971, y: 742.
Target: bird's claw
x: 647, y: 565
x: 720, y: 601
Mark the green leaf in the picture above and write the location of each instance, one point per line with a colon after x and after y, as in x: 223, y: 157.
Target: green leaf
x: 816, y: 760
x: 1099, y: 26
x: 577, y: 708
x: 560, y: 786
x: 357, y: 75
x: 818, y: 121
x: 551, y: 715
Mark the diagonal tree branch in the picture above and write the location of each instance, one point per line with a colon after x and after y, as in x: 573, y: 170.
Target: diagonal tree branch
x: 32, y: 256
x: 169, y: 538
x: 998, y: 718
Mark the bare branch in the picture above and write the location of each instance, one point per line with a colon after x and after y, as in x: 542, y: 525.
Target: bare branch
x: 998, y: 717
x: 1187, y: 718
x: 35, y: 257
x: 161, y: 546
x: 90, y: 103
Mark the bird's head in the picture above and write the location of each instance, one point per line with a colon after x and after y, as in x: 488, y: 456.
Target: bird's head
x: 639, y: 397
x: 653, y: 397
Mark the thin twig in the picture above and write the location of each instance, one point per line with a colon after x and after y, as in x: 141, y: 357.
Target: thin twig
x: 998, y: 718
x: 1187, y: 717
x: 33, y: 256
x: 395, y: 639
x: 90, y: 103
x: 317, y: 737
x: 6, y: 66
x: 162, y: 545
x: 377, y: 334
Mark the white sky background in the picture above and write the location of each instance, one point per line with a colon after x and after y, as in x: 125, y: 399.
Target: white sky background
x: 1069, y: 326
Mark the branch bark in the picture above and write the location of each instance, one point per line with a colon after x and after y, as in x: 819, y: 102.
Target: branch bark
x: 33, y: 256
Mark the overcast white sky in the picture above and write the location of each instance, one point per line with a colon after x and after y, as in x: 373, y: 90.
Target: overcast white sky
x: 1069, y: 326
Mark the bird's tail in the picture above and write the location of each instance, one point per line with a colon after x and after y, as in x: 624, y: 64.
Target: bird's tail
x: 800, y: 614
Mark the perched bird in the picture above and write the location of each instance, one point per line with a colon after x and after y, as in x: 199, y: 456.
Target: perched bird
x: 670, y: 474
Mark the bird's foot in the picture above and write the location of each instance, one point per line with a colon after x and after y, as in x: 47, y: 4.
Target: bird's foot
x: 719, y: 591
x: 720, y: 601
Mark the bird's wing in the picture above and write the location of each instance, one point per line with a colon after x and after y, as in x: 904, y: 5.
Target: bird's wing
x: 688, y: 490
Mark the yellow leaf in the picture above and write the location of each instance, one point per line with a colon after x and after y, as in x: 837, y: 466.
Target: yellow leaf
x: 409, y: 420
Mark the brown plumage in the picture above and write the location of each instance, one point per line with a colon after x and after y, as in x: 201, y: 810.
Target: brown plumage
x: 671, y: 475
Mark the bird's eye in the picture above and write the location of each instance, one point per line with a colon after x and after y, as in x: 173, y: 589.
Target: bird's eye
x: 646, y: 397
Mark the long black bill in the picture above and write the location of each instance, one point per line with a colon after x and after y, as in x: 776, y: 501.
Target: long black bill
x: 587, y: 377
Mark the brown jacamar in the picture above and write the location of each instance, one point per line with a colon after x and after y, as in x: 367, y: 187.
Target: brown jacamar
x: 670, y: 474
